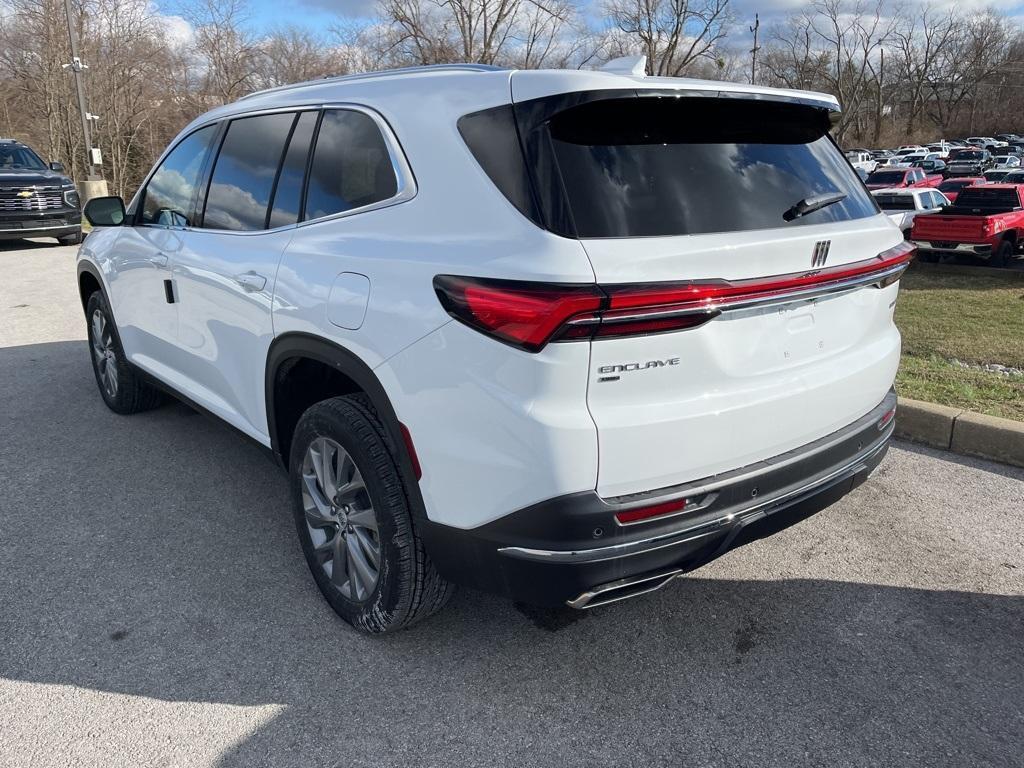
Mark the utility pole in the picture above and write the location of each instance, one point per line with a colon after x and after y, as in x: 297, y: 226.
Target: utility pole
x: 76, y: 66
x: 754, y: 50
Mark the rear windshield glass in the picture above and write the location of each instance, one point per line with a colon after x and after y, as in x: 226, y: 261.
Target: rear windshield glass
x: 887, y: 177
x: 954, y: 186
x: 987, y: 197
x: 653, y: 166
x: 895, y: 202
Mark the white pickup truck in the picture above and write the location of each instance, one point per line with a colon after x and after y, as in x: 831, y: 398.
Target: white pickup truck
x: 862, y: 160
x: 903, y: 205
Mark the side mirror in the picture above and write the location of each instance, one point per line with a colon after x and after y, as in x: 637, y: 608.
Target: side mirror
x: 105, y: 211
x: 58, y: 167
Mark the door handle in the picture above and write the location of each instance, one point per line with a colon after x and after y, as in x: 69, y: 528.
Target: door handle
x: 251, y: 281
x: 158, y: 260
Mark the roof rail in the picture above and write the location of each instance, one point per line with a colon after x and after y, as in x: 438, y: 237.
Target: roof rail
x: 380, y: 73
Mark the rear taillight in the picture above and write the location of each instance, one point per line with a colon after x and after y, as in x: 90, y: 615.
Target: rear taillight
x: 530, y: 315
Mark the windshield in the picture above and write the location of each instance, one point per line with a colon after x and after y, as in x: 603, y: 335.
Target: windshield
x: 19, y: 158
x: 648, y: 166
x: 895, y: 202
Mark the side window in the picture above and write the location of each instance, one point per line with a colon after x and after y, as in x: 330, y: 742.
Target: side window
x: 288, y: 197
x: 167, y: 199
x: 244, y: 172
x: 351, y: 166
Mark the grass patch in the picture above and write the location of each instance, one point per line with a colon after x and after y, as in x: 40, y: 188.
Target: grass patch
x: 977, y: 319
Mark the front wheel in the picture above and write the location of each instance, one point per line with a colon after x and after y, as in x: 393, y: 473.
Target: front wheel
x: 354, y: 522
x: 122, y: 388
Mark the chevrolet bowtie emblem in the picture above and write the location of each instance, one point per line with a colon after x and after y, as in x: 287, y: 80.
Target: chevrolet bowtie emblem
x: 25, y: 193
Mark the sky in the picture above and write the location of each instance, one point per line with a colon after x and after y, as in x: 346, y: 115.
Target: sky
x: 320, y: 15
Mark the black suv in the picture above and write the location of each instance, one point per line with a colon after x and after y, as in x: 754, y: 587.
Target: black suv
x: 36, y: 199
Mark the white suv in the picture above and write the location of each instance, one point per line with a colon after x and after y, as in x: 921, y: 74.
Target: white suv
x: 560, y: 335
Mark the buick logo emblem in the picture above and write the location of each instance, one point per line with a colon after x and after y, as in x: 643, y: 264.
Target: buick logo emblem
x: 820, y: 255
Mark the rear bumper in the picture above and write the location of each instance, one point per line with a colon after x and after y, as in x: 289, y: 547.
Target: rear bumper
x: 982, y: 249
x: 571, y: 550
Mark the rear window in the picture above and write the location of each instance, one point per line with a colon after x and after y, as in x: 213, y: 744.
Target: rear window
x: 986, y: 197
x: 887, y: 177
x: 953, y: 186
x: 895, y: 202
x: 657, y: 166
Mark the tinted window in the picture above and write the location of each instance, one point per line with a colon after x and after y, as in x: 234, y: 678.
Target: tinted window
x: 986, y: 197
x: 895, y: 202
x: 243, y: 176
x: 351, y: 166
x: 654, y: 166
x: 288, y: 196
x: 168, y: 197
x: 887, y: 177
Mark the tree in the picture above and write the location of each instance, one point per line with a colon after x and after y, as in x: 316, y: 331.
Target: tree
x: 673, y: 34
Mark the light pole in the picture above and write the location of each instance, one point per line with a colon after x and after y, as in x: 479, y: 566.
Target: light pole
x: 754, y: 50
x: 76, y: 66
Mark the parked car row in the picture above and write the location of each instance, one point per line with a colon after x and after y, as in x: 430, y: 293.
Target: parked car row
x: 954, y: 198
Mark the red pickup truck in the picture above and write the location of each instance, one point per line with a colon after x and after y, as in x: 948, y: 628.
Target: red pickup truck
x: 887, y: 178
x: 986, y: 221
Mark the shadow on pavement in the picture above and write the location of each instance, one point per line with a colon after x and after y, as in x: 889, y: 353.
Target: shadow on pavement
x: 155, y: 556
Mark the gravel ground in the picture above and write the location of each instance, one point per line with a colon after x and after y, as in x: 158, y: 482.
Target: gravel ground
x: 155, y: 610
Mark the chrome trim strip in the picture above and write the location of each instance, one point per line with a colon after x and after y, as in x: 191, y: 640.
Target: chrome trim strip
x: 803, y: 294
x: 681, y: 536
x: 586, y: 599
x: 40, y: 229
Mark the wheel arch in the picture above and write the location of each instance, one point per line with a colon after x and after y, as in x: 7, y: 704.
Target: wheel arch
x: 349, y: 374
x: 90, y: 280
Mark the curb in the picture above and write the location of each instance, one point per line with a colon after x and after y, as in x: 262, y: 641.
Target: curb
x: 959, y: 431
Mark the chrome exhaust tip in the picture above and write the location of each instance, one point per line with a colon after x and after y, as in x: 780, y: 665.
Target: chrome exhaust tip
x: 623, y: 589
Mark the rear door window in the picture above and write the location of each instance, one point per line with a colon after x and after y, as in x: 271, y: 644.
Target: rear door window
x: 245, y: 170
x: 656, y: 165
x: 351, y: 165
x: 288, y: 196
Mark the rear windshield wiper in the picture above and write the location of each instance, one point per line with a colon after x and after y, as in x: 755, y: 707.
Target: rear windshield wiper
x: 812, y: 204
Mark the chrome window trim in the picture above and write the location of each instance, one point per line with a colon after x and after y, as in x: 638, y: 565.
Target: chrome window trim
x: 405, y: 181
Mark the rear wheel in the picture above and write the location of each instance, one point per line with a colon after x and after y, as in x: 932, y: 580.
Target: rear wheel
x: 1002, y: 254
x: 353, y: 518
x: 122, y: 388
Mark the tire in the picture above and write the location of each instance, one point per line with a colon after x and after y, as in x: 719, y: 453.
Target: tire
x: 73, y: 239
x: 368, y: 518
x: 121, y: 387
x: 1002, y: 254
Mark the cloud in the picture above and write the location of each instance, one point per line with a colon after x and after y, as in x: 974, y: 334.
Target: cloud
x: 176, y: 30
x: 358, y: 9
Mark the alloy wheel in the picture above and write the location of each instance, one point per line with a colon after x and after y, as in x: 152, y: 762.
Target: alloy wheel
x: 340, y: 518
x: 104, y: 353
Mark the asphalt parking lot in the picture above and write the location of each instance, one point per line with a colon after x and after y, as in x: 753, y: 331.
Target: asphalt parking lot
x: 156, y: 611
